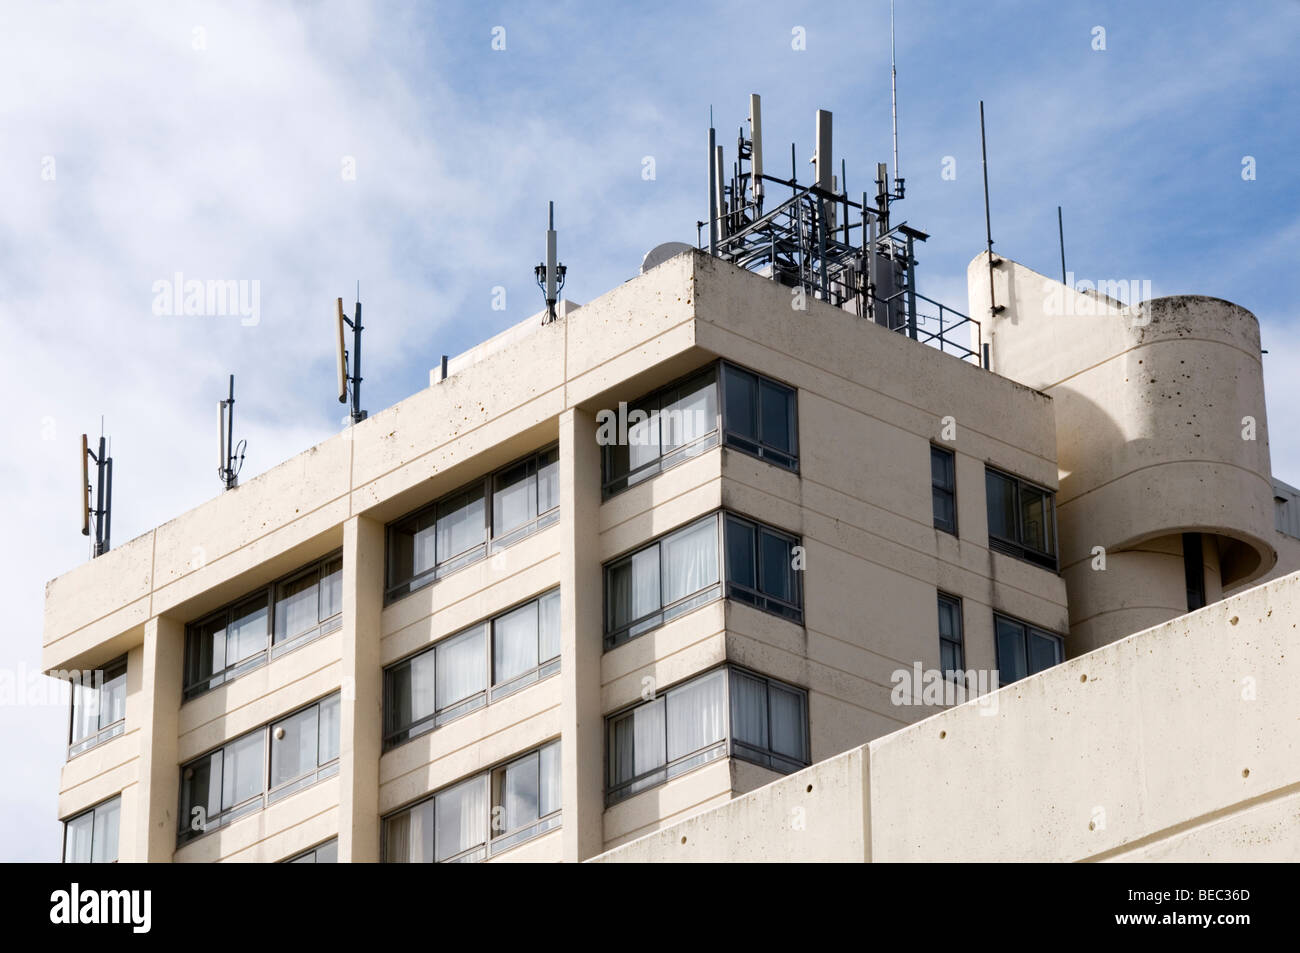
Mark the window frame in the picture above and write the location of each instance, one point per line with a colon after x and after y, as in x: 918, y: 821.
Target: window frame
x: 951, y: 491
x: 755, y: 596
x: 63, y: 855
x: 273, y: 650
x: 612, y: 485
x: 614, y: 637
x: 1027, y: 629
x: 300, y: 857
x: 758, y: 447
x: 960, y: 642
x: 103, y: 733
x: 493, y: 845
x: 493, y: 692
x: 491, y: 544
x: 727, y: 746
x: 268, y: 794
x: 1017, y: 547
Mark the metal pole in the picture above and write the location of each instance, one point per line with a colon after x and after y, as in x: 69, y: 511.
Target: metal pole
x: 988, y: 228
x: 1060, y: 227
x: 99, y: 499
x: 108, y: 508
x: 230, y: 437
x: 911, y: 290
x: 357, y: 415
x: 713, y: 195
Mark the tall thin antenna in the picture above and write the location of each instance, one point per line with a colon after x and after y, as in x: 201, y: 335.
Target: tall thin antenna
x: 994, y: 307
x: 893, y: 98
x: 232, y: 454
x: 1060, y: 228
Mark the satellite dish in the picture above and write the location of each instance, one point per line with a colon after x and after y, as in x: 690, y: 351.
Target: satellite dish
x: 661, y: 253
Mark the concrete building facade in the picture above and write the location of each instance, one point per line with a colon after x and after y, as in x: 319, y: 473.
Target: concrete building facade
x: 624, y: 567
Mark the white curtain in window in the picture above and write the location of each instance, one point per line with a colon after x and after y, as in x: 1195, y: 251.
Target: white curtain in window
x: 242, y: 768
x: 789, y: 733
x: 548, y: 481
x: 107, y: 815
x: 634, y: 587
x: 691, y: 416
x: 422, y: 687
x: 548, y: 627
x: 749, y: 710
x: 112, y: 703
x: 331, y: 589
x: 423, y: 555
x: 462, y: 817
x: 295, y: 754
x: 297, y: 607
x: 690, y: 560
x: 460, y: 524
x: 246, y: 634
x: 548, y: 800
x: 514, y: 500
x: 520, y: 793
x: 514, y: 643
x: 460, y: 669
x: 85, y: 706
x: 77, y: 839
x: 329, y: 730
x: 695, y: 715
x: 639, y: 741
x: 643, y: 437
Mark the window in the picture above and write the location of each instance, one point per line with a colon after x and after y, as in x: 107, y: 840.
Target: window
x: 326, y: 853
x: 465, y: 671
x: 98, y: 707
x: 1021, y: 518
x: 753, y: 414
x: 259, y: 767
x: 952, y: 653
x: 943, y: 489
x: 275, y: 620
x: 483, y: 517
x: 759, y: 417
x: 1024, y: 649
x: 671, y: 576
x: 761, y: 568
x: 681, y: 571
x: 725, y: 711
x: 662, y: 430
x: 91, y: 836
x: 480, y: 816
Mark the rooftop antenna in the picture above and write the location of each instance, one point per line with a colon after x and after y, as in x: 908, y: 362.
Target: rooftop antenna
x: 343, y: 358
x: 994, y: 307
x: 756, y: 148
x: 232, y: 454
x: 1060, y: 228
x: 103, y: 493
x: 893, y: 100
x: 550, y: 273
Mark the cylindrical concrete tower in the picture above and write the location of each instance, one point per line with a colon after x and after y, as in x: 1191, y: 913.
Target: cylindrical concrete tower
x: 1166, y: 494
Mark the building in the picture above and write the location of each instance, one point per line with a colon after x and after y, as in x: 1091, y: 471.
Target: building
x: 619, y: 568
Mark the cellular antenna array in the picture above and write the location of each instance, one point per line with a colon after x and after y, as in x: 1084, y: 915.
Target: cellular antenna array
x: 232, y: 454
x: 102, y: 511
x: 550, y: 273
x: 350, y: 360
x: 847, y: 253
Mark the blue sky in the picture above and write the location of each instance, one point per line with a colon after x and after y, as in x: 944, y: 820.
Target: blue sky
x: 210, y: 140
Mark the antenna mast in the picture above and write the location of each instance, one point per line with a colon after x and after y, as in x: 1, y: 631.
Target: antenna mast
x: 343, y: 357
x: 103, y: 494
x: 232, y: 455
x: 893, y: 101
x: 550, y: 273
